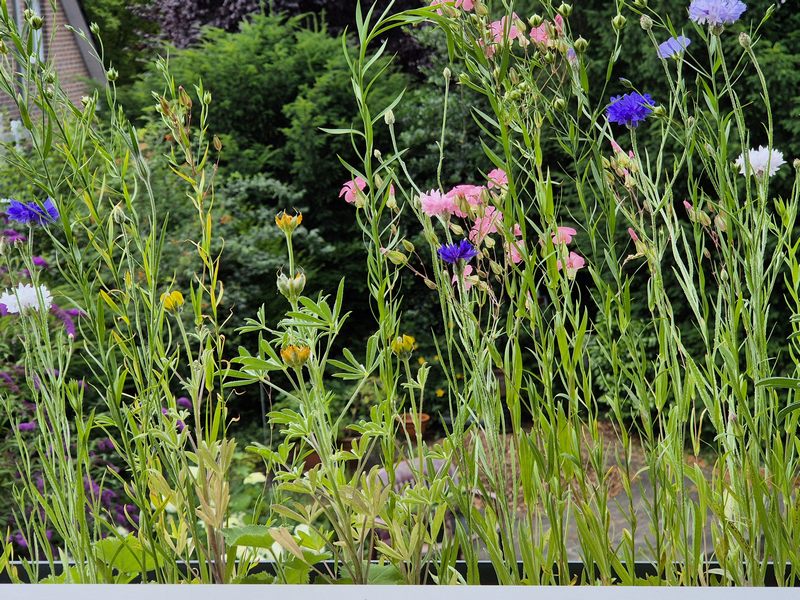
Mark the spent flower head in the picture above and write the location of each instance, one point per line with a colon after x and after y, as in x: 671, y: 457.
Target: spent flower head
x: 403, y: 345
x: 295, y: 355
x: 288, y: 223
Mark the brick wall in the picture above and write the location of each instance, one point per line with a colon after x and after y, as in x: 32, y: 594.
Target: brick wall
x: 61, y: 47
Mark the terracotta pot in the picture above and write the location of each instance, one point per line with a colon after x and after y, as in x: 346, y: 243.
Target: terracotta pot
x: 407, y: 421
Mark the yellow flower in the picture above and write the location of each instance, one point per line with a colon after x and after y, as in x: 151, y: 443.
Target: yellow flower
x: 421, y: 360
x: 295, y: 356
x: 288, y: 223
x: 172, y: 300
x: 403, y: 345
x: 439, y: 392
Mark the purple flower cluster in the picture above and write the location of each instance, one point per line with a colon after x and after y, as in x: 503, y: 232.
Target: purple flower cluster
x: 31, y: 213
x: 716, y: 12
x: 631, y: 109
x: 452, y: 253
x: 67, y: 316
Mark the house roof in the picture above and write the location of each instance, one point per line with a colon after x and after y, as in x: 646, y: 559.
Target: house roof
x: 77, y: 22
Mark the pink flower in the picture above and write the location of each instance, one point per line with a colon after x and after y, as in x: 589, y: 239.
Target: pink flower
x: 633, y: 235
x: 498, y: 30
x: 559, y: 24
x: 539, y: 34
x: 497, y: 178
x: 488, y: 49
x: 485, y: 225
x: 471, y: 194
x: 464, y: 277
x: 351, y: 188
x: 575, y: 262
x: 564, y: 235
x: 514, y: 251
x: 462, y: 4
x: 436, y: 204
x: 616, y: 147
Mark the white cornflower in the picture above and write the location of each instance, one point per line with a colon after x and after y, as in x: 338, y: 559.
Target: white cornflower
x: 26, y: 296
x: 760, y: 160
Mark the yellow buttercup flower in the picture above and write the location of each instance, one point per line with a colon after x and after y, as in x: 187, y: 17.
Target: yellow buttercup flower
x: 288, y: 223
x: 295, y: 356
x: 172, y: 300
x: 403, y: 345
x: 439, y: 392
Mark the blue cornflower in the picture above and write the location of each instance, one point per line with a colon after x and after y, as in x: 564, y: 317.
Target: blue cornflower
x: 31, y: 212
x: 673, y: 46
x: 630, y: 109
x: 716, y: 12
x: 454, y: 252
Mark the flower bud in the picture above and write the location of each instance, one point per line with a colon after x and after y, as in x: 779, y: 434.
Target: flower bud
x: 36, y: 22
x: 581, y: 45
x: 559, y: 104
x: 796, y: 163
x: 403, y: 345
x: 565, y: 10
x: 388, y: 117
x: 721, y: 223
x: 295, y: 356
x: 94, y: 28
x: 744, y: 40
x: 640, y: 3
x: 206, y: 98
x: 291, y: 289
x: 446, y: 73
x: 646, y: 22
x: 288, y: 223
x: 217, y: 143
x: 703, y: 218
x: 408, y: 246
x: 619, y: 22
x: 112, y: 74
x: 536, y: 21
x: 659, y: 112
x: 396, y: 257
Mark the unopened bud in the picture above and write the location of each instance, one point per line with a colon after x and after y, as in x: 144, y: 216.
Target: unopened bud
x: 396, y: 257
x: 94, y: 28
x: 796, y: 163
x: 206, y: 98
x: 112, y: 74
x: 581, y: 45
x: 619, y: 22
x: 536, y: 21
x: 408, y: 246
x: 646, y: 22
x: 744, y: 40
x: 559, y: 104
x: 388, y: 117
x: 640, y: 3
x: 565, y: 10
x: 217, y: 143
x: 721, y: 223
x: 659, y: 112
x: 36, y: 22
x: 446, y: 73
